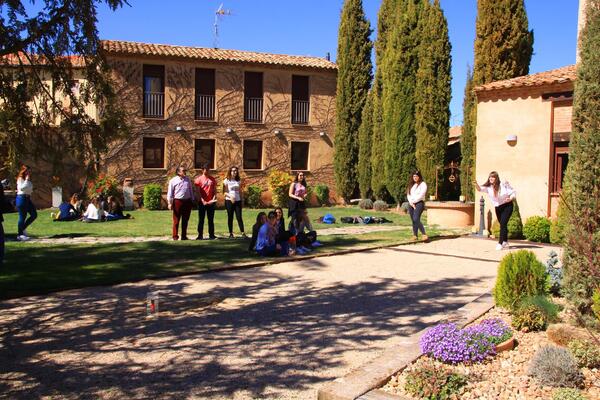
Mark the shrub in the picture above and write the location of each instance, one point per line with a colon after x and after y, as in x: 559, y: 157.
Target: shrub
x: 365, y: 204
x: 252, y: 196
x: 568, y: 394
x: 529, y: 319
x: 555, y: 272
x: 103, y: 185
x: 557, y: 233
x: 520, y: 274
x: 153, y: 196
x: 596, y: 303
x: 563, y: 334
x: 430, y: 381
x: 586, y: 353
x: 279, y: 185
x: 537, y: 229
x: 322, y: 194
x: 544, y: 304
x: 447, y: 343
x: 380, y: 205
x: 555, y: 366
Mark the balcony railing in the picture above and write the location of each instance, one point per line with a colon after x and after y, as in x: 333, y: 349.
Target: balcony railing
x: 253, y: 109
x: 205, y: 107
x: 154, y: 104
x: 300, y: 111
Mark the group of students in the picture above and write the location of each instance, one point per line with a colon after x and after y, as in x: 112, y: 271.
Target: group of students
x: 98, y: 210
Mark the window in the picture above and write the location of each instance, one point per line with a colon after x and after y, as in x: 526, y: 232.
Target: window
x: 300, y: 99
x: 205, y: 94
x: 300, y: 156
x: 253, y: 96
x: 252, y: 154
x: 204, y: 153
x: 154, y: 152
x: 559, y: 166
x: 154, y: 91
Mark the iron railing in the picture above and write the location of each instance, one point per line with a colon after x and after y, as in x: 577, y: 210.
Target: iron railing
x: 154, y: 105
x: 253, y: 109
x: 300, y: 111
x: 205, y: 107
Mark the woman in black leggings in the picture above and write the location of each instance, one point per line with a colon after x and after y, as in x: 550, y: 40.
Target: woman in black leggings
x: 233, y: 200
x: 502, y: 196
x: 416, y: 190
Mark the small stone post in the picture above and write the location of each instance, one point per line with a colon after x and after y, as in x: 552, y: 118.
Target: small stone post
x: 481, y: 216
x: 56, y: 196
x: 128, y: 194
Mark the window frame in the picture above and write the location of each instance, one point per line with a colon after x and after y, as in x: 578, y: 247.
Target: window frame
x: 213, y: 161
x: 559, y: 150
x: 292, y: 155
x: 261, y: 155
x: 164, y: 152
x: 150, y: 70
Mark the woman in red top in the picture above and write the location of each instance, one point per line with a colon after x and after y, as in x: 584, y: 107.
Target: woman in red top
x: 207, y: 201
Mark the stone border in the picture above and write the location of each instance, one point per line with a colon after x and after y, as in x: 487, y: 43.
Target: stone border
x: 364, y: 382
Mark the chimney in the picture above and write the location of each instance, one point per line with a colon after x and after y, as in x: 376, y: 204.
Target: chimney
x: 580, y: 24
x: 328, y: 56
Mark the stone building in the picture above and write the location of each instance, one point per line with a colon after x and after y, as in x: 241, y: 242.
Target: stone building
x: 190, y: 106
x: 523, y: 132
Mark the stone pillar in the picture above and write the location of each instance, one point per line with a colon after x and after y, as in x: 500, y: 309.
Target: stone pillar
x: 128, y: 194
x: 56, y: 196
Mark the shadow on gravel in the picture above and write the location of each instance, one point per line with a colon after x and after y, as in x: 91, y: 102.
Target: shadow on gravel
x: 263, y: 337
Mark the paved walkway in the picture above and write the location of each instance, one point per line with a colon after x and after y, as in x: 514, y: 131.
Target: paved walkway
x: 342, y: 230
x: 276, y: 332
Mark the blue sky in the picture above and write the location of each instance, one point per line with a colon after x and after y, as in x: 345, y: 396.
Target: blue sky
x: 309, y: 27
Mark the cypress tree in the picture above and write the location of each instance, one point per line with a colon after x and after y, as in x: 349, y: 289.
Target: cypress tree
x: 581, y: 195
x: 399, y: 82
x: 365, y: 134
x: 468, y: 139
x: 433, y: 92
x: 353, y: 82
x: 503, y: 49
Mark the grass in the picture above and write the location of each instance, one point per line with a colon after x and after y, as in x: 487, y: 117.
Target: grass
x: 158, y: 223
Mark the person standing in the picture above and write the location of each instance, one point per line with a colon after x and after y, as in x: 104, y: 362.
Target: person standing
x: 23, y: 202
x: 502, y: 196
x: 297, y: 194
x: 207, y: 200
x: 233, y: 200
x: 180, y: 198
x: 416, y: 190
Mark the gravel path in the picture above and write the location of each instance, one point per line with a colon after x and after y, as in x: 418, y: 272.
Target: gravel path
x: 275, y: 332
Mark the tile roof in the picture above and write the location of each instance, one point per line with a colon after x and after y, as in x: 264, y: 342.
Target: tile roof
x: 454, y: 134
x: 559, y: 75
x: 34, y: 59
x: 203, y: 53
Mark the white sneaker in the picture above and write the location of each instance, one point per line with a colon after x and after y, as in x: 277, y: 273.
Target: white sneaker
x: 499, y: 246
x: 22, y: 238
x: 505, y: 246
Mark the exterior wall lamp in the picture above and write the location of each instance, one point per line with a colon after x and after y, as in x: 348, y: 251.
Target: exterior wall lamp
x: 229, y: 131
x: 277, y: 132
x: 322, y: 134
x: 511, y: 139
x: 179, y: 128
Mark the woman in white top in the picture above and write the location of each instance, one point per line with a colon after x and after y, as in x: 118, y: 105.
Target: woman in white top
x: 23, y: 202
x: 233, y: 200
x: 502, y: 196
x: 416, y: 190
x: 94, y: 213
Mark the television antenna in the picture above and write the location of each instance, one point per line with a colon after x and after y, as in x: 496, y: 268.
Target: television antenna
x: 220, y: 13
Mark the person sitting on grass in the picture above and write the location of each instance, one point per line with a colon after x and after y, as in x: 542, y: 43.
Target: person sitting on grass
x: 66, y: 211
x: 93, y: 212
x: 115, y: 210
x: 265, y: 242
x: 281, y: 235
x: 261, y: 218
x: 301, y: 228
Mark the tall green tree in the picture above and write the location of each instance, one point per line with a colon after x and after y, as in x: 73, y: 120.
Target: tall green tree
x: 385, y: 19
x: 581, y: 195
x: 37, y: 47
x: 468, y: 139
x: 353, y: 83
x: 365, y: 134
x: 400, y: 65
x: 503, y: 49
x: 433, y: 91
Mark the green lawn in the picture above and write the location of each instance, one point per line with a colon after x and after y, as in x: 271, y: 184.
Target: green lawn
x: 158, y: 223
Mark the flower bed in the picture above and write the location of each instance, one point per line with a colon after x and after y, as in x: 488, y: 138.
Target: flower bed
x: 500, y: 376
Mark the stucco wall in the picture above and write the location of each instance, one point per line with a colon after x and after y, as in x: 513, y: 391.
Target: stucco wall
x: 526, y: 163
x: 125, y: 157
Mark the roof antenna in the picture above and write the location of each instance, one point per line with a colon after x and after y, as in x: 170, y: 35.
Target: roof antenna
x: 221, y: 12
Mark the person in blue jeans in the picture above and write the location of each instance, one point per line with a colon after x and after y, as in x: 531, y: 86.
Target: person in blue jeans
x: 24, y: 204
x: 265, y: 242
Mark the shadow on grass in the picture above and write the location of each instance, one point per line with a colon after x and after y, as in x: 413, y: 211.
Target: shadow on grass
x: 250, y: 333
x: 39, y: 268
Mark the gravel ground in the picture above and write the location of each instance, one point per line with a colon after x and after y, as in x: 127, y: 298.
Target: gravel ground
x: 504, y: 377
